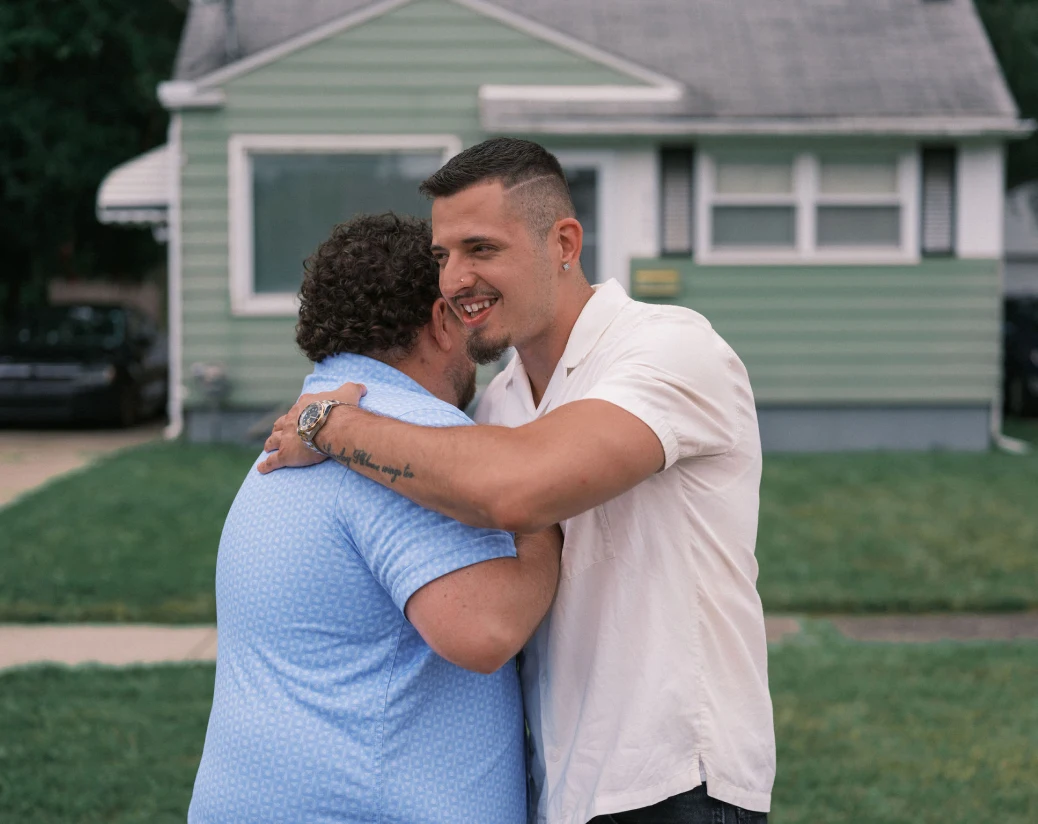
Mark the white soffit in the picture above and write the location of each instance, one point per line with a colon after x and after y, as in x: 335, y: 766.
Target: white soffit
x: 137, y: 192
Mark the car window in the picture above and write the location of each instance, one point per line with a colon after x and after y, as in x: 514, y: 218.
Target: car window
x: 74, y: 326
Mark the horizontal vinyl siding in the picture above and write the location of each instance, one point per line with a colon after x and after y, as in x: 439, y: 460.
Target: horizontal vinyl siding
x: 416, y: 70
x: 876, y: 335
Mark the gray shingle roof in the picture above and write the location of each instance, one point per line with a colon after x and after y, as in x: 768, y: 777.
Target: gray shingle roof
x: 735, y: 58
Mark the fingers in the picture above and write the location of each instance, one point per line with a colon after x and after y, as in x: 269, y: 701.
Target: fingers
x: 349, y: 393
x: 273, y: 442
x: 270, y: 464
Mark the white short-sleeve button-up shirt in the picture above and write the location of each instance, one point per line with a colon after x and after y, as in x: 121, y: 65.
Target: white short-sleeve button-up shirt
x: 650, y: 672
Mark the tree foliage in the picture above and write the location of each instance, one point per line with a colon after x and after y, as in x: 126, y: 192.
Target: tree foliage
x: 1012, y: 26
x: 77, y: 97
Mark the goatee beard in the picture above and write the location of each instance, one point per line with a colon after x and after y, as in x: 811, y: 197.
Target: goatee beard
x: 486, y: 351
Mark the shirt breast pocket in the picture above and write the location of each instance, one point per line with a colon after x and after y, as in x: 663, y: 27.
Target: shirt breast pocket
x: 588, y: 541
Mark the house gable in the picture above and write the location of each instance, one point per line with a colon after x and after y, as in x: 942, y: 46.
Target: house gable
x: 620, y: 70
x: 415, y: 70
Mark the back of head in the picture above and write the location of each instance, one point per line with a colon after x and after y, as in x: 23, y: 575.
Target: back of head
x: 530, y: 174
x: 369, y: 289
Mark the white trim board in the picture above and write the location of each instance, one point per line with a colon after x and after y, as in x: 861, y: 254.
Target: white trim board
x: 244, y: 301
x: 925, y: 127
x: 571, y: 44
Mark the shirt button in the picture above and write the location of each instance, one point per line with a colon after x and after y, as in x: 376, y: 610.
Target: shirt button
x: 553, y: 754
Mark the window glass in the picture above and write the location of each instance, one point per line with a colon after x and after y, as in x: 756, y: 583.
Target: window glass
x: 298, y: 198
x: 70, y: 327
x: 748, y: 226
x: 865, y: 177
x: 853, y: 226
x: 754, y: 178
x: 583, y: 188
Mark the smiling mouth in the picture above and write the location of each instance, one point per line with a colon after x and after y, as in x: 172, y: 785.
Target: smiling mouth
x: 474, y: 310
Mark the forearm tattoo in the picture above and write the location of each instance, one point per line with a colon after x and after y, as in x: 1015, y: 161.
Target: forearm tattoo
x: 361, y: 459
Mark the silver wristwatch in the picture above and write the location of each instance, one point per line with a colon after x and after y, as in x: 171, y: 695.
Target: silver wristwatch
x: 312, y: 418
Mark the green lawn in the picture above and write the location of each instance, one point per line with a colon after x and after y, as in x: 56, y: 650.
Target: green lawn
x: 134, y: 538
x: 887, y: 532
x: 884, y: 734
x: 101, y: 745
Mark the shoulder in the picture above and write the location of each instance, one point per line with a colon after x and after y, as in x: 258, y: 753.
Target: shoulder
x: 672, y: 336
x: 413, y: 407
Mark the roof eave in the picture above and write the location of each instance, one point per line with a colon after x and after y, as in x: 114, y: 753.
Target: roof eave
x: 923, y: 127
x: 176, y: 95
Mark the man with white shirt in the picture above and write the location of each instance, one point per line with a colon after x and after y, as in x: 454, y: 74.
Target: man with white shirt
x: 634, y: 427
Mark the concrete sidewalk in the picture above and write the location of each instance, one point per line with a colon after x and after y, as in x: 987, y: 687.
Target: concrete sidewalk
x: 29, y: 459
x: 127, y: 644
x: 113, y: 644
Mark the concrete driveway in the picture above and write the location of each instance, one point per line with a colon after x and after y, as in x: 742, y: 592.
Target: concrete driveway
x: 29, y: 459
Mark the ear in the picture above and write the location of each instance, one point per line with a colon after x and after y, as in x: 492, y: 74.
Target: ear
x: 441, y: 325
x: 570, y: 238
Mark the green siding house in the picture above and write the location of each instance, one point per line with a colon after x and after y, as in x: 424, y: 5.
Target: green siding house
x: 823, y: 179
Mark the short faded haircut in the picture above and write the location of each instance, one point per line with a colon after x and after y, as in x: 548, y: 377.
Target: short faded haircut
x: 529, y: 173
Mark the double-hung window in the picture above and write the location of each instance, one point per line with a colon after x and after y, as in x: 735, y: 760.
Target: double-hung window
x: 754, y: 204
x: 288, y: 192
x: 808, y: 206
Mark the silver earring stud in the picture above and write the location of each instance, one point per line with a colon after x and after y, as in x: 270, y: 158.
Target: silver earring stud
x: 565, y: 267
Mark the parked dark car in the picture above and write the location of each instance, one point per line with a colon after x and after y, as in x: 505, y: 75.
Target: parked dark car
x: 1021, y: 356
x: 82, y: 364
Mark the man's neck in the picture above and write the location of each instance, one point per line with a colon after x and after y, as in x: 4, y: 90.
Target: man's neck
x: 418, y: 368
x: 542, y: 354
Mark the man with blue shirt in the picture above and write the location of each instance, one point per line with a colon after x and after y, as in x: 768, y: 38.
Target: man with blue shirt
x: 364, y: 670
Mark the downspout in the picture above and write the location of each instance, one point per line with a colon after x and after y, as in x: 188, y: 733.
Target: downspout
x: 175, y: 301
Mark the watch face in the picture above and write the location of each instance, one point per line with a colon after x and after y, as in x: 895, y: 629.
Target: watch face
x: 310, y: 416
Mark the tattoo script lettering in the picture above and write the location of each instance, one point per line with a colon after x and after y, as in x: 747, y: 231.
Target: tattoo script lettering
x: 360, y: 458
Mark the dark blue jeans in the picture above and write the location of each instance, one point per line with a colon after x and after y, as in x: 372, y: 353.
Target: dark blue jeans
x: 693, y: 807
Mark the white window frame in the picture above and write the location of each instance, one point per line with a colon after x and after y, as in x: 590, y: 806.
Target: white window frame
x: 610, y: 262
x: 805, y: 199
x: 241, y: 148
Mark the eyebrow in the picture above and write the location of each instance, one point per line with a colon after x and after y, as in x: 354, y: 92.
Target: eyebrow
x: 468, y: 241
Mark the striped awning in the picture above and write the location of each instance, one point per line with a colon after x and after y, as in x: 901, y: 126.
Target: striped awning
x: 137, y: 192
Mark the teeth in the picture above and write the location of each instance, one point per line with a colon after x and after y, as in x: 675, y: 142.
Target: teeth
x: 473, y: 308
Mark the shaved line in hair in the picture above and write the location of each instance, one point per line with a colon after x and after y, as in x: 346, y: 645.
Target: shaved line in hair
x: 542, y: 201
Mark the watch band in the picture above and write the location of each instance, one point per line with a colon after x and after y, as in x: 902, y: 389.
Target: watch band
x: 307, y: 434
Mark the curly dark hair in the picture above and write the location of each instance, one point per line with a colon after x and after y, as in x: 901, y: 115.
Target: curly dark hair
x: 368, y: 289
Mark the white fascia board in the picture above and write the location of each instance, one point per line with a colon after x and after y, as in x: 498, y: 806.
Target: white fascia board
x: 580, y: 94
x: 873, y: 127
x: 514, y: 21
x: 175, y: 95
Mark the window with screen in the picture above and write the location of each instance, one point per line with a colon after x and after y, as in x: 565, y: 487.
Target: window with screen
x: 858, y: 203
x: 754, y: 204
x: 298, y: 197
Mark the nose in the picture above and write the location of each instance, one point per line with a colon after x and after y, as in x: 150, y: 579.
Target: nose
x: 454, y: 278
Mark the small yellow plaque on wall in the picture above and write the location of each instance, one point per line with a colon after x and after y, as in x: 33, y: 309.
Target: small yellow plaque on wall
x: 656, y: 283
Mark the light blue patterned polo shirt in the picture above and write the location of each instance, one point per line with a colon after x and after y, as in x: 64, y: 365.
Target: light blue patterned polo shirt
x: 329, y: 706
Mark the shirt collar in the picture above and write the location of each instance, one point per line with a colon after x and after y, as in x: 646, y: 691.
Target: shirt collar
x: 594, y: 319
x: 349, y: 368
